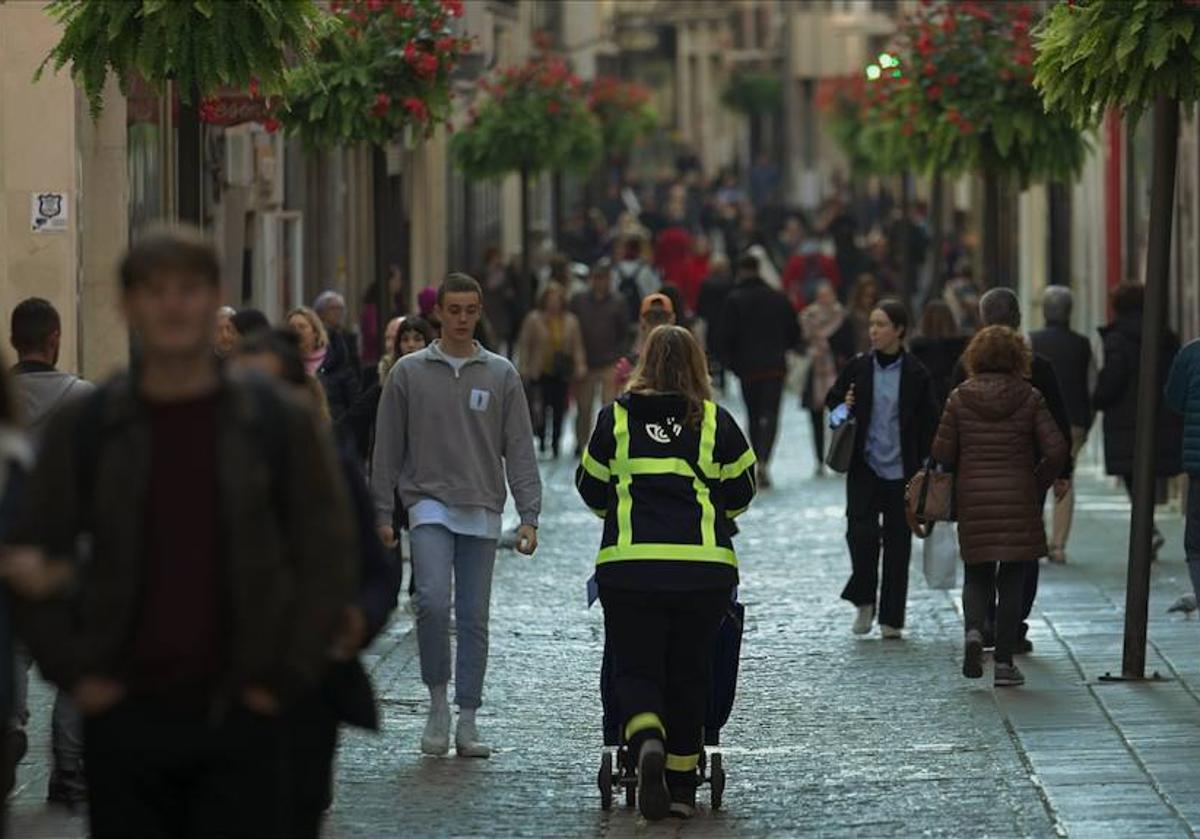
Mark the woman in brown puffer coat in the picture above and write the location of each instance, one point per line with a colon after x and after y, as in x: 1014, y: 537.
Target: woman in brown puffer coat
x: 998, y: 436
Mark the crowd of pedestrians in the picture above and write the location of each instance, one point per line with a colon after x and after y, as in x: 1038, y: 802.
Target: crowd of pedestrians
x: 201, y: 548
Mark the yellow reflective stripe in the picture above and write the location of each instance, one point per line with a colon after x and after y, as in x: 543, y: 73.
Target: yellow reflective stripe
x: 708, y: 441
x: 708, y: 514
x: 601, y: 513
x: 624, y: 497
x: 688, y: 553
x: 642, y: 722
x: 733, y: 470
x: 653, y: 466
x: 594, y: 467
x: 733, y: 514
x: 682, y: 763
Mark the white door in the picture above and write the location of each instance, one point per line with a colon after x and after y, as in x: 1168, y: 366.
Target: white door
x: 279, y: 264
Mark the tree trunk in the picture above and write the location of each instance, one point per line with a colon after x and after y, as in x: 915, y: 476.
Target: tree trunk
x: 556, y: 197
x: 526, y: 281
x: 937, y: 230
x: 189, y: 161
x: 1158, y: 267
x: 992, y: 267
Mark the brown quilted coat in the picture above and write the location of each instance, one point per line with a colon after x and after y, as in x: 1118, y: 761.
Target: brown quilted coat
x: 999, y: 438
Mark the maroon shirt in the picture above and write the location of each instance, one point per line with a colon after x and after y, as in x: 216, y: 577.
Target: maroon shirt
x: 179, y: 644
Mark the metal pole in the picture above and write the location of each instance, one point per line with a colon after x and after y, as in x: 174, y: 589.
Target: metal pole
x: 1158, y: 265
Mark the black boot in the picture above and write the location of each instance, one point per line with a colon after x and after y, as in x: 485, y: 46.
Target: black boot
x: 683, y: 793
x: 654, y: 799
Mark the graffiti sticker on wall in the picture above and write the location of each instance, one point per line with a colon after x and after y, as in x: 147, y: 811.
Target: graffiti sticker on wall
x: 48, y: 212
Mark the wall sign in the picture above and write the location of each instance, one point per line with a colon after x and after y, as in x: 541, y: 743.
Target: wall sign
x: 48, y: 212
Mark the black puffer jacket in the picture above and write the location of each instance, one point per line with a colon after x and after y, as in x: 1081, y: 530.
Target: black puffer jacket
x: 1117, y: 396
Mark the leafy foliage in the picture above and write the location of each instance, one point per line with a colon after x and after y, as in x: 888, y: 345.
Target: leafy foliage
x: 962, y: 98
x: 534, y: 118
x: 202, y: 45
x: 1094, y: 54
x: 843, y: 102
x: 753, y: 94
x: 385, y: 68
x: 623, y: 111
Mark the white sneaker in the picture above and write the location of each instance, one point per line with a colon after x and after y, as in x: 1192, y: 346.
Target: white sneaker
x: 436, y: 740
x: 890, y: 632
x: 466, y: 740
x: 864, y: 619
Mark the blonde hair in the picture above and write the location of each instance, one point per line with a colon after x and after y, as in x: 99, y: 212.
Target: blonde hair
x: 672, y: 362
x: 313, y: 321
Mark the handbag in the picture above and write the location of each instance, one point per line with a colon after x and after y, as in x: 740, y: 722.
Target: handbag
x: 841, y: 446
x: 929, y: 497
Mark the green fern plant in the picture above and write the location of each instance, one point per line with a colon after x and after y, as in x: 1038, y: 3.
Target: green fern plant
x: 201, y: 45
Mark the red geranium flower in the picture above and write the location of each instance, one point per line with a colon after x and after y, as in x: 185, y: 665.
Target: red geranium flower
x: 417, y: 108
x: 271, y: 124
x: 454, y: 8
x: 382, y: 103
x: 934, y: 93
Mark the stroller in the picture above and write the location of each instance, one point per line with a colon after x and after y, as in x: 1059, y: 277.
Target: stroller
x: 618, y: 768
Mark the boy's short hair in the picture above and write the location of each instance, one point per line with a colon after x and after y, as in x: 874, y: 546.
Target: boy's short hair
x: 458, y: 283
x: 175, y: 249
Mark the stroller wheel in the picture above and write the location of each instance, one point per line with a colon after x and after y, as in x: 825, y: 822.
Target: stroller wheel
x: 702, y: 765
x: 718, y: 782
x: 604, y: 780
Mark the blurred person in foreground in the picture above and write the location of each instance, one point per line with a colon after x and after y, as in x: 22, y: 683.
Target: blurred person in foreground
x: 219, y: 551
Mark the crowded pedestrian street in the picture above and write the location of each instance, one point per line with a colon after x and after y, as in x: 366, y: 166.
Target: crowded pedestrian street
x: 599, y: 418
x: 831, y: 735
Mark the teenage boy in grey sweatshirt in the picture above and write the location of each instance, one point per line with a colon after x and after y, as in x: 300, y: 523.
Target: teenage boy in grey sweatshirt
x: 452, y: 421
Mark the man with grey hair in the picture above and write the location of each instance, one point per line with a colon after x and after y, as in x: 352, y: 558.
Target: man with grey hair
x: 1070, y: 354
x: 1000, y: 307
x: 330, y: 307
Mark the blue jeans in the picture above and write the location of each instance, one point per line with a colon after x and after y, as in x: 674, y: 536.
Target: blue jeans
x: 1191, y: 533
x: 437, y: 553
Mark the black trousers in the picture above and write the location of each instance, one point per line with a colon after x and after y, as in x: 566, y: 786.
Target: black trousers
x: 312, y: 742
x: 875, y: 520
x: 763, y: 397
x: 661, y: 646
x: 817, y: 416
x: 154, y: 771
x: 983, y: 585
x: 554, y: 410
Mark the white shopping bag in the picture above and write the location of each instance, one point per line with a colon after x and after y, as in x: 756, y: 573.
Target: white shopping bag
x: 941, y: 557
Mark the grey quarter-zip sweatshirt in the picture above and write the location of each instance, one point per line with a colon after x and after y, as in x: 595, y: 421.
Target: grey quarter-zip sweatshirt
x: 453, y: 435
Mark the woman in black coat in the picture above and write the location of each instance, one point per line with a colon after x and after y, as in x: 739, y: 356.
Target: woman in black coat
x: 1116, y: 394
x: 892, y: 397
x: 939, y: 347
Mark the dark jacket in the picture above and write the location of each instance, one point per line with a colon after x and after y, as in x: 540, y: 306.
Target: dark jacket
x: 1044, y: 380
x: 918, y: 407
x: 710, y: 308
x: 346, y: 684
x: 940, y: 357
x: 286, y: 531
x: 604, y: 325
x: 998, y: 437
x: 341, y: 376
x: 1070, y: 354
x: 1183, y: 395
x: 666, y: 527
x: 1117, y: 396
x: 17, y: 456
x: 758, y: 327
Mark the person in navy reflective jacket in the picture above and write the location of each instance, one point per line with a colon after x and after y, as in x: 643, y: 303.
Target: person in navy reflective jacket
x: 668, y: 470
x: 1183, y: 396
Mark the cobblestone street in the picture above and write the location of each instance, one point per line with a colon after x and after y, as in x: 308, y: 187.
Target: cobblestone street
x: 831, y: 734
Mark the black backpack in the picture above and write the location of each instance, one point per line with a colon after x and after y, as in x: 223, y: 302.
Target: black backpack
x: 628, y: 288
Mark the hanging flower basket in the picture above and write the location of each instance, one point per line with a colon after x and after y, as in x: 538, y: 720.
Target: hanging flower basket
x: 382, y: 73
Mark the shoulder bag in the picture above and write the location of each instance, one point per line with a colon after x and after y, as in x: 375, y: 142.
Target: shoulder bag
x: 928, y: 498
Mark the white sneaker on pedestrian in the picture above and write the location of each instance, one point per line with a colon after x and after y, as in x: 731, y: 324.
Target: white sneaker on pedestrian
x: 864, y: 619
x: 466, y: 737
x: 890, y: 632
x: 436, y: 740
